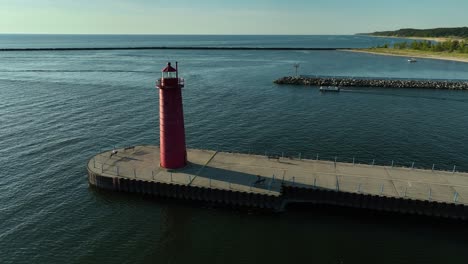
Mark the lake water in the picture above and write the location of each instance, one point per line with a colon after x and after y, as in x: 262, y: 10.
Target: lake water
x: 58, y: 109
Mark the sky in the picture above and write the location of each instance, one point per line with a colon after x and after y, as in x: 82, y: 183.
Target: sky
x: 295, y: 17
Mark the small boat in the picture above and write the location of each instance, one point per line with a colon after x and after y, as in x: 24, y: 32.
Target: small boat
x: 329, y: 89
x: 412, y: 60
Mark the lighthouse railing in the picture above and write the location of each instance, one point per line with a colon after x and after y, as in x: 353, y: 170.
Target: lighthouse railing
x: 180, y: 82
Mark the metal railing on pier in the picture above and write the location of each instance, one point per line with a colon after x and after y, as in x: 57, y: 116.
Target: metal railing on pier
x: 271, y: 184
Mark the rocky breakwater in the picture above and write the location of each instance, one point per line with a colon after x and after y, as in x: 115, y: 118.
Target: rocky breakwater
x: 385, y: 83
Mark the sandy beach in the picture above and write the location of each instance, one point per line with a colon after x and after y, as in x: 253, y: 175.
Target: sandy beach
x: 409, y: 54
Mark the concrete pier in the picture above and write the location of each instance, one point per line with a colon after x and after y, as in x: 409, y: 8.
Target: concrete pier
x: 274, y: 182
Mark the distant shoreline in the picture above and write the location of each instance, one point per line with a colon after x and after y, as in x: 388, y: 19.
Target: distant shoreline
x: 408, y: 54
x: 439, y: 34
x: 436, y: 39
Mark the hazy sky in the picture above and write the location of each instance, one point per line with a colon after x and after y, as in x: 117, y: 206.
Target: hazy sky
x: 227, y: 17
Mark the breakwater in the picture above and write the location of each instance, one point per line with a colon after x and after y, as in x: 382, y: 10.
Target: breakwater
x: 171, y: 48
x: 361, y: 82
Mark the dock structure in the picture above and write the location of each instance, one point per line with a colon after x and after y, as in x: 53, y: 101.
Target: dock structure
x: 273, y: 183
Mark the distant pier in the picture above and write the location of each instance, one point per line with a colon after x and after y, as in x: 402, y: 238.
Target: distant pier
x: 366, y: 82
x: 173, y: 48
x: 274, y: 182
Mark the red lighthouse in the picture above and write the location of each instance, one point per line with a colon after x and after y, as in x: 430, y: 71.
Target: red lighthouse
x: 173, y: 153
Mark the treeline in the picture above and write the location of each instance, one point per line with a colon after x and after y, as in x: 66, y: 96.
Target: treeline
x: 458, y: 32
x: 425, y: 45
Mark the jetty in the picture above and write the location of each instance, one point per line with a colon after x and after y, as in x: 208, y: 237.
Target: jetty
x: 178, y: 48
x: 274, y: 183
x: 371, y: 82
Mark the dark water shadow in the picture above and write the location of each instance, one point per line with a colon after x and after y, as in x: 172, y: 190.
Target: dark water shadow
x: 357, y: 91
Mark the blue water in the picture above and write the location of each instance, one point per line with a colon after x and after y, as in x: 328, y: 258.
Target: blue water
x: 93, y: 41
x: 60, y: 108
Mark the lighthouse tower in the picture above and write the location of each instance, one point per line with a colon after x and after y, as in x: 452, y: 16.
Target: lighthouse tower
x: 173, y: 153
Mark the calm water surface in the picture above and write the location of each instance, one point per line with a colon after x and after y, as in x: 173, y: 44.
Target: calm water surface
x: 60, y: 108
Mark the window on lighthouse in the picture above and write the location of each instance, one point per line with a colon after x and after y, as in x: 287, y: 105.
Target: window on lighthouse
x: 169, y: 75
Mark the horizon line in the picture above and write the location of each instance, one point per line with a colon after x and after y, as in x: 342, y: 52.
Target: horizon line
x: 201, y: 34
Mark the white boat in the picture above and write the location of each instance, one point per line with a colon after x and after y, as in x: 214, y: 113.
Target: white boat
x: 329, y: 89
x: 412, y: 60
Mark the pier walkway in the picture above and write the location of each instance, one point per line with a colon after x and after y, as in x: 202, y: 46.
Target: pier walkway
x: 269, y: 176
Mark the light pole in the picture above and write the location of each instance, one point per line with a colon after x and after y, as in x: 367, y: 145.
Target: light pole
x: 296, y: 66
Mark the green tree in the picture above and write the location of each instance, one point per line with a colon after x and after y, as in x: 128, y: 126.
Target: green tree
x: 465, y: 48
x: 461, y: 47
x: 437, y: 47
x: 404, y: 45
x: 454, y: 45
x: 426, y: 45
x: 446, y: 45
